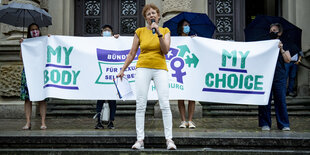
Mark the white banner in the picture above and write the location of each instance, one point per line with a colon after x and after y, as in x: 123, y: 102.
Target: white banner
x: 200, y: 69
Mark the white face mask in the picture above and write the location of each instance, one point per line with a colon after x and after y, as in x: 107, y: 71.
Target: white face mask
x: 35, y: 33
x: 106, y: 34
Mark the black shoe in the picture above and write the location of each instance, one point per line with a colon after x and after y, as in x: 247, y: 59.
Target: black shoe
x: 99, y: 126
x: 111, y: 125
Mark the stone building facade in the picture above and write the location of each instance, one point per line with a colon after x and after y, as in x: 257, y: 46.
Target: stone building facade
x: 64, y: 15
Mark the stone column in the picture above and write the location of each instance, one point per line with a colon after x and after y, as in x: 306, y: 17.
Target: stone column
x: 302, y: 21
x: 174, y: 7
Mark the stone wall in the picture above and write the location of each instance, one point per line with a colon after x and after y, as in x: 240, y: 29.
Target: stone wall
x: 10, y: 78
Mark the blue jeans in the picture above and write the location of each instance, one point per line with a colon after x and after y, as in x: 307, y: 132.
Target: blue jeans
x: 112, y: 106
x: 291, y: 71
x: 278, y: 92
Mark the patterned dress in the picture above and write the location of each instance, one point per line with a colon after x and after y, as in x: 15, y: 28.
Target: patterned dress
x: 24, y: 94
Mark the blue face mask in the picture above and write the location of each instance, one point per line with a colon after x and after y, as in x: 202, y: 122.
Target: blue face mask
x: 186, y: 29
x: 106, y: 34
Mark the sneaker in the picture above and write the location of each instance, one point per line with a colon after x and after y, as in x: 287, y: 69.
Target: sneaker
x: 292, y: 94
x: 139, y: 145
x: 99, y: 126
x: 191, y: 125
x: 286, y: 129
x: 265, y: 128
x: 111, y: 125
x: 170, y: 145
x: 183, y: 124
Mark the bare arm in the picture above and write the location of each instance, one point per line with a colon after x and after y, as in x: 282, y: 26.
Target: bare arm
x: 286, y: 54
x: 131, y: 55
x: 164, y: 42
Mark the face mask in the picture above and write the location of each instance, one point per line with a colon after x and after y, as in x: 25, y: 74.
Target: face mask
x: 186, y: 29
x: 273, y: 35
x: 106, y: 34
x: 35, y: 33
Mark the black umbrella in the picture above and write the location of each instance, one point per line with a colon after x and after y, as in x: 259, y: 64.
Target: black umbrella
x: 200, y: 24
x: 20, y: 14
x: 258, y: 29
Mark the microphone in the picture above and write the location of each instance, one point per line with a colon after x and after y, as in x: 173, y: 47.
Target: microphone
x: 153, y: 29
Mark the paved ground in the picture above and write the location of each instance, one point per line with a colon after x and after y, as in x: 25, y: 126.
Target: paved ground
x: 124, y: 124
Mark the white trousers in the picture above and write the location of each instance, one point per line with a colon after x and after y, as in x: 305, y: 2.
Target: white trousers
x: 143, y: 79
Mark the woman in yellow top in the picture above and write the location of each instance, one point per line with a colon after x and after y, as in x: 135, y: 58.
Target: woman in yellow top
x: 154, y: 42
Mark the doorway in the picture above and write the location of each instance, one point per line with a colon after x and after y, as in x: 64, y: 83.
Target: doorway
x: 261, y: 7
x: 123, y: 15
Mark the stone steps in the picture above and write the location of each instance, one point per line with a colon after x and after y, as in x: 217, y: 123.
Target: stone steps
x: 119, y: 142
x: 87, y: 108
x: 298, y: 106
x: 126, y: 151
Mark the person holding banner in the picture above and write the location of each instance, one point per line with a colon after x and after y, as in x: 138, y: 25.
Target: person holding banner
x: 278, y: 89
x: 33, y: 31
x: 106, y: 31
x: 183, y: 30
x: 154, y: 42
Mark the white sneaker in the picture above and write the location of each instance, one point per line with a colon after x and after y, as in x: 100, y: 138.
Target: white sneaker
x: 139, y: 145
x: 170, y: 145
x: 265, y: 128
x: 191, y: 125
x: 183, y: 124
x: 286, y: 129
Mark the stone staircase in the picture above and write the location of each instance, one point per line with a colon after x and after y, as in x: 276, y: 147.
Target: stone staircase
x: 76, y: 142
x: 87, y: 108
x: 298, y: 106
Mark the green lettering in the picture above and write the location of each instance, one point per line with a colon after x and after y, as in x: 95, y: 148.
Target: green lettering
x: 232, y: 81
x: 240, y: 81
x: 55, y: 76
x: 218, y: 80
x: 243, y: 57
x: 75, y: 75
x: 65, y: 77
x: 256, y: 83
x: 51, y: 51
x: 67, y: 54
x: 208, y: 80
x: 247, y: 84
x: 225, y: 54
x: 46, y: 78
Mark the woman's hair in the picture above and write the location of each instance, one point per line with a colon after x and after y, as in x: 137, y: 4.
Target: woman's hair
x: 278, y: 25
x: 28, y: 32
x: 107, y: 26
x: 149, y: 6
x: 180, y: 27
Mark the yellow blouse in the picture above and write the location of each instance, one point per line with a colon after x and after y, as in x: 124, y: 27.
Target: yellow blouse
x: 151, y: 55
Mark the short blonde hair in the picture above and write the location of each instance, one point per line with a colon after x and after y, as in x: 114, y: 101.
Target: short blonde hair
x: 149, y: 6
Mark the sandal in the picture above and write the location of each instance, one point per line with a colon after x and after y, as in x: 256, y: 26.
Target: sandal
x: 27, y: 127
x: 43, y: 127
